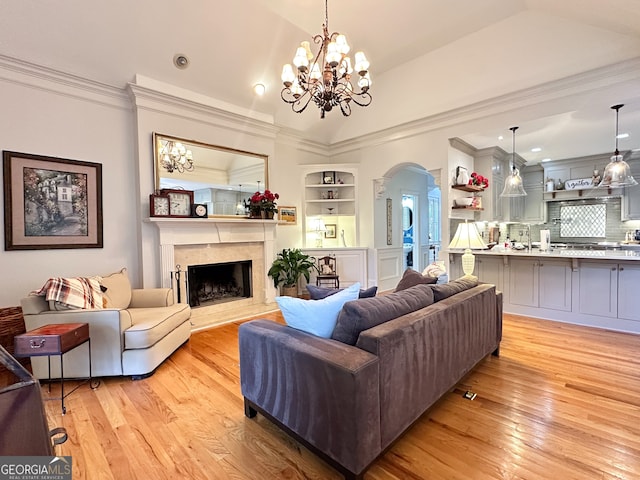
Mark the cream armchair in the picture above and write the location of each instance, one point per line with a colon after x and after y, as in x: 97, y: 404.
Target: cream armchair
x: 136, y: 332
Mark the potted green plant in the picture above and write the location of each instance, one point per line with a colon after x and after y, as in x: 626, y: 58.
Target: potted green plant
x: 288, y: 267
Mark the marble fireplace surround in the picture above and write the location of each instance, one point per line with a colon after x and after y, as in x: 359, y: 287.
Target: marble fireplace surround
x: 196, y: 241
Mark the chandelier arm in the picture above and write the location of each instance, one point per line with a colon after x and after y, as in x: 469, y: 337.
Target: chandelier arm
x: 296, y: 103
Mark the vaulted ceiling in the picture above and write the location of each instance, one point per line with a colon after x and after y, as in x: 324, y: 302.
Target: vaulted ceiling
x: 428, y: 57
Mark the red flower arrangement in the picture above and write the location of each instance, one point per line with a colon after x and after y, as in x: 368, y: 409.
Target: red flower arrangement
x: 478, y: 180
x: 265, y: 202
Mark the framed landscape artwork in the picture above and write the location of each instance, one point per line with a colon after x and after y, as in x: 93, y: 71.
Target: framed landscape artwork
x: 287, y: 215
x: 51, y: 202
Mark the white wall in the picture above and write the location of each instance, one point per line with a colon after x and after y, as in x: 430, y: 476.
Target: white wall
x: 48, y: 115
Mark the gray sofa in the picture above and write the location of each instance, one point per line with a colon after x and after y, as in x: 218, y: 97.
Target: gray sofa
x: 348, y: 403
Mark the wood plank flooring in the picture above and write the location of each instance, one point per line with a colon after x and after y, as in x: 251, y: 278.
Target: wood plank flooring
x: 562, y: 401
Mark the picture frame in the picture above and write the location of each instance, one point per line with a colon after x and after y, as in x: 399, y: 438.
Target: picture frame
x: 287, y: 215
x: 330, y: 231
x: 51, y: 203
x: 328, y: 178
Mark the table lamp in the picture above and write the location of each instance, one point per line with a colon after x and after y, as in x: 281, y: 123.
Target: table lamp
x: 467, y: 237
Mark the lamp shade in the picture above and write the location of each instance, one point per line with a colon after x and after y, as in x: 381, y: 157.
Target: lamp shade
x: 467, y: 237
x: 617, y: 174
x: 513, y: 185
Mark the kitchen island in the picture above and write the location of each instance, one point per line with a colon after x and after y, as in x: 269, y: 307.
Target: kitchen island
x: 586, y: 287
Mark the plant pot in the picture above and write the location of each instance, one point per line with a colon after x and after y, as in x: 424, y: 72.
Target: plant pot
x: 290, y: 291
x: 258, y: 214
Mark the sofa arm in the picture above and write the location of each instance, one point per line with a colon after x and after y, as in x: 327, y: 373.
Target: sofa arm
x: 106, y: 327
x: 151, y: 297
x: 324, y: 391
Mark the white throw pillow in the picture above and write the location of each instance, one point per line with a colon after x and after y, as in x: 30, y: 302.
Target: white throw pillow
x: 317, y: 317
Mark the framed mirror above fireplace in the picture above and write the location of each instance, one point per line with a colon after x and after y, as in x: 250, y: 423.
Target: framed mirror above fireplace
x: 220, y: 177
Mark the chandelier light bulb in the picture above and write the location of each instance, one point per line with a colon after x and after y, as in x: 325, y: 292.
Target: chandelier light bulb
x: 287, y: 75
x: 307, y: 48
x: 362, y: 64
x: 300, y: 60
x: 315, y: 72
x: 343, y: 46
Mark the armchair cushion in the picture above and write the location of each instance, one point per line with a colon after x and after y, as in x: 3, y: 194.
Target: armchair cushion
x: 148, y: 326
x: 118, y: 292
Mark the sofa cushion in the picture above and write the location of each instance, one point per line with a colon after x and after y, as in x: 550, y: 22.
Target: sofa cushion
x: 118, y: 293
x: 444, y: 290
x: 317, y: 317
x: 363, y: 314
x: 149, y: 325
x: 411, y: 278
x: 318, y: 293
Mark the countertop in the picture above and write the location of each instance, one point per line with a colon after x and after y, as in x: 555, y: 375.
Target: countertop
x: 609, y: 254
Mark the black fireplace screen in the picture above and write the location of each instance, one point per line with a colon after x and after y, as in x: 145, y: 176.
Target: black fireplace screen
x: 219, y: 282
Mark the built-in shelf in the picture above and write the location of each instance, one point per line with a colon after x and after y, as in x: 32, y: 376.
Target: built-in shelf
x: 468, y: 188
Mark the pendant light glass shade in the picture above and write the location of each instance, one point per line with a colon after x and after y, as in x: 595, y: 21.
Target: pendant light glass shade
x: 513, y: 183
x: 617, y: 172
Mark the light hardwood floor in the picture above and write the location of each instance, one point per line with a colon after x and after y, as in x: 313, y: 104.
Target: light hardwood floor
x: 561, y: 402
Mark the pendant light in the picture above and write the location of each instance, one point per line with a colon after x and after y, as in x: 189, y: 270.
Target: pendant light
x: 513, y: 183
x: 617, y: 173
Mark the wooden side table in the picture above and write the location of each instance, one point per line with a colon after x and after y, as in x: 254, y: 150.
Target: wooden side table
x: 55, y: 339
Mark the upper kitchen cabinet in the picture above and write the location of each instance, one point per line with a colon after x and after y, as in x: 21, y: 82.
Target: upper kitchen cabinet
x: 534, y: 210
x: 495, y: 164
x: 631, y: 196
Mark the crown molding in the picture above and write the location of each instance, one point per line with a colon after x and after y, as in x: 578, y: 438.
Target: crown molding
x: 582, y: 83
x: 54, y: 81
x: 150, y: 99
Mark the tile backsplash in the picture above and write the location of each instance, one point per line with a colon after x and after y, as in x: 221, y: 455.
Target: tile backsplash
x: 580, y: 221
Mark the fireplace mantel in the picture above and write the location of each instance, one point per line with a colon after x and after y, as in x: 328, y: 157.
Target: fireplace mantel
x: 211, y: 231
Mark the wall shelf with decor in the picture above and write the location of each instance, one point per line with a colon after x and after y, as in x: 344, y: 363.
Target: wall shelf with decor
x: 468, y: 188
x: 331, y: 196
x: 476, y: 209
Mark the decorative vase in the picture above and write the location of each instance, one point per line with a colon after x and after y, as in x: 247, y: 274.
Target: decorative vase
x: 256, y: 214
x: 268, y: 215
x: 290, y: 291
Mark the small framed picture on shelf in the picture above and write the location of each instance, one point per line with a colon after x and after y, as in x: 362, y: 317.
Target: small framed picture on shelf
x: 328, y: 178
x: 330, y: 231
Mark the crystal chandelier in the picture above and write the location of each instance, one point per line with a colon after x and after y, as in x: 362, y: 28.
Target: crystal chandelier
x: 326, y: 78
x: 617, y: 172
x: 513, y: 184
x: 174, y: 156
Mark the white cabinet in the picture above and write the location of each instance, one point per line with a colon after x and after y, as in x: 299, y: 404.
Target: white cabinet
x: 490, y: 270
x: 598, y: 289
x: 534, y: 206
x: 487, y: 269
x: 540, y: 282
x: 523, y: 281
x: 631, y: 195
x: 351, y: 264
x: 554, y: 284
x: 628, y: 281
x: 495, y: 164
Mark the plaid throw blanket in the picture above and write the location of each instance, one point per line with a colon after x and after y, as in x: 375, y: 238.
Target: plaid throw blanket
x: 79, y: 292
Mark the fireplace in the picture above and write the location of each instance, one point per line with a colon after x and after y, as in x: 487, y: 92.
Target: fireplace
x: 216, y: 283
x: 186, y: 242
